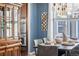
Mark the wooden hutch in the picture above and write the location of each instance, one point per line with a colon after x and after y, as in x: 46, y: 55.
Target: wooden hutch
x: 10, y: 43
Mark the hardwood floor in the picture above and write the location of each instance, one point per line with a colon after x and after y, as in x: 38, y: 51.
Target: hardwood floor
x: 23, y: 51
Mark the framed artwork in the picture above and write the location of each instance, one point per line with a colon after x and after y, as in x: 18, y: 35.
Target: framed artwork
x: 44, y: 21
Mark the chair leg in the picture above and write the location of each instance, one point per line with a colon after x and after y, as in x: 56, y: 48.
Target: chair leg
x: 36, y: 53
x: 67, y: 53
x: 35, y: 50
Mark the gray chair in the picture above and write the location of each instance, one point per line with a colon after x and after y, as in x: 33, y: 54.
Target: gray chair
x: 45, y: 40
x: 75, y: 51
x: 47, y: 51
x: 36, y: 43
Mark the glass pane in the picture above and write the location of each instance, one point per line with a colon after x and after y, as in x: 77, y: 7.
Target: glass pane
x: 8, y: 12
x: 61, y: 25
x: 1, y: 13
x: 1, y: 22
x: 15, y: 14
x: 15, y: 23
x: 8, y: 33
x: 15, y: 30
x: 7, y: 24
x: 60, y: 29
x: 11, y: 32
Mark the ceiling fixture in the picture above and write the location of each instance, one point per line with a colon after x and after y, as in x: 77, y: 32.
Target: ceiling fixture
x: 62, y: 9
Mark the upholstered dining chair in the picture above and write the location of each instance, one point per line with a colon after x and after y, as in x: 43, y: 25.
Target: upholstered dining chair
x: 47, y: 50
x: 75, y: 51
x: 36, y: 43
x: 45, y: 40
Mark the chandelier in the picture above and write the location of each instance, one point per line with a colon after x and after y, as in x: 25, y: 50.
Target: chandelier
x: 62, y: 9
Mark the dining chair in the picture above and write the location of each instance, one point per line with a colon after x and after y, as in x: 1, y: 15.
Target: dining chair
x: 36, y: 43
x: 75, y: 51
x: 45, y: 40
x: 47, y: 50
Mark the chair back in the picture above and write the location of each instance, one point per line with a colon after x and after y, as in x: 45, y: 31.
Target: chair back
x: 44, y: 40
x: 37, y: 42
x: 47, y: 50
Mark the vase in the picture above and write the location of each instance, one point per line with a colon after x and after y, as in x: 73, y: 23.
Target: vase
x: 64, y: 37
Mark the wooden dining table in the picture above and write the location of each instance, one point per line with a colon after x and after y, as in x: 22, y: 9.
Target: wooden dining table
x: 66, y: 48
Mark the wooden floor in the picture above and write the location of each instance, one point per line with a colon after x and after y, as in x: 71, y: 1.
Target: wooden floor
x: 24, y: 51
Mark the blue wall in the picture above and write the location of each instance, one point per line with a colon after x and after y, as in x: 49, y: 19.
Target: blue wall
x: 41, y: 7
x: 35, y: 22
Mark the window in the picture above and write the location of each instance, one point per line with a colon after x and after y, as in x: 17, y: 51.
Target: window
x: 60, y: 24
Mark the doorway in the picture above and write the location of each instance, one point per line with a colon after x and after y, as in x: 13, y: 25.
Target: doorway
x: 24, y: 28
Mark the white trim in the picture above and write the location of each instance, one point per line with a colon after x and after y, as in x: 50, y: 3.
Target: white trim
x: 68, y: 28
x: 73, y: 28
x: 50, y: 22
x: 29, y: 27
x: 77, y: 29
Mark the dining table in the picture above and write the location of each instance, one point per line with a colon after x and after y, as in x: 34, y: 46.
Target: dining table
x: 66, y: 47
